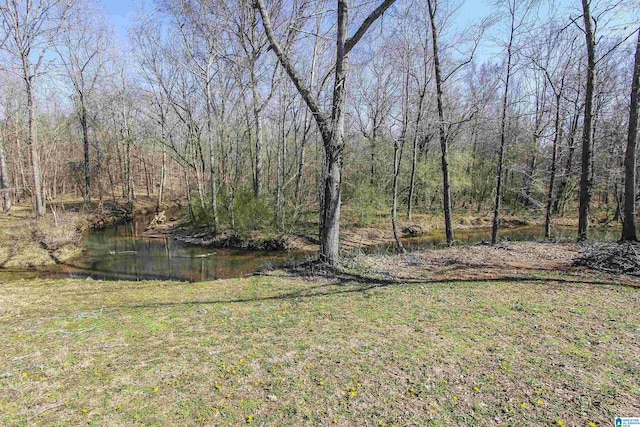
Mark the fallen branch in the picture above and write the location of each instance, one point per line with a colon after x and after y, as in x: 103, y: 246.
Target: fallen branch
x: 617, y: 258
x: 48, y: 408
x: 122, y: 252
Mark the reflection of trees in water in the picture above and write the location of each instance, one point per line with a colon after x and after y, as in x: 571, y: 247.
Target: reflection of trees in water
x: 119, y: 253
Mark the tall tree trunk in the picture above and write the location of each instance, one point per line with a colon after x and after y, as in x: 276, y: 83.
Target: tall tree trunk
x: 163, y: 174
x: 334, y: 147
x: 189, y: 201
x: 629, y: 225
x: 416, y: 148
x: 147, y: 176
x: 503, y: 137
x: 332, y: 130
x: 4, y: 180
x: 257, y: 179
x: 307, y: 122
x: 122, y: 169
x: 128, y: 172
x: 398, y: 148
x: 558, y: 204
x: 552, y: 177
x: 586, y: 174
x: 85, y: 145
x: 300, y: 172
x: 528, y: 178
x: 279, y: 161
x: 397, y: 157
x: 416, y: 141
x: 212, y: 154
x: 31, y: 142
x: 446, y: 184
x: 200, y: 168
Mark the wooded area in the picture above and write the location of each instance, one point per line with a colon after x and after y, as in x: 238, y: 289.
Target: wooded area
x: 265, y: 115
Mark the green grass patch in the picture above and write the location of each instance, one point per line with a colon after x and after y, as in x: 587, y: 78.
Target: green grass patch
x: 285, y: 351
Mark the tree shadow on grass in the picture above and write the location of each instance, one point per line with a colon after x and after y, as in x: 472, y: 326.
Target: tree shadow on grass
x: 343, y: 283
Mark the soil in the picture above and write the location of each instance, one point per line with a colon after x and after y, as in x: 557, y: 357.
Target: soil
x: 28, y: 242
x: 255, y: 241
x: 519, y: 260
x: 351, y: 237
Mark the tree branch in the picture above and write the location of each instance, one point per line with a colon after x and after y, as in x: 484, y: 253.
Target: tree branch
x: 285, y: 61
x: 352, y: 41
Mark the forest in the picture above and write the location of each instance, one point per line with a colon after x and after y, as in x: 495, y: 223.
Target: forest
x: 259, y: 115
x: 319, y: 212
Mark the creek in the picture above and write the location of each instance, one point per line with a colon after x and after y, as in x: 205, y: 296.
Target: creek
x: 121, y: 253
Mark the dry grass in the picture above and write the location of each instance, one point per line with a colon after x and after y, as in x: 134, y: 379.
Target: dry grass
x: 18, y: 247
x: 509, y: 259
x: 274, y: 350
x: 27, y: 241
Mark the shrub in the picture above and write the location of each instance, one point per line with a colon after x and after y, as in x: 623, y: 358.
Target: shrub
x: 366, y: 202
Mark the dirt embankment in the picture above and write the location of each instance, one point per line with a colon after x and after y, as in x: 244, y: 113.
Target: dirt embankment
x: 27, y: 241
x: 351, y: 236
x: 255, y: 241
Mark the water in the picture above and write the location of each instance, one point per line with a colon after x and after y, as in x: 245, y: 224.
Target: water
x: 529, y: 233
x: 121, y: 253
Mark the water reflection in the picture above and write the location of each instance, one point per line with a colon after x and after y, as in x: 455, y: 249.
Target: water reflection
x: 472, y: 236
x: 121, y: 253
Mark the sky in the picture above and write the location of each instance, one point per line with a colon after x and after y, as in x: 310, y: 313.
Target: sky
x: 120, y: 13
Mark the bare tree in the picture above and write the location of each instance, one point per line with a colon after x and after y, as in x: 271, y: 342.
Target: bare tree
x: 423, y: 83
x: 517, y: 14
x: 570, y: 136
x: 554, y: 59
x: 444, y: 146
x: 331, y: 127
x: 629, y: 224
x: 32, y: 27
x: 374, y: 104
x: 253, y: 44
x: 399, y: 141
x: 4, y: 178
x: 586, y: 175
x: 83, y: 51
x: 200, y: 36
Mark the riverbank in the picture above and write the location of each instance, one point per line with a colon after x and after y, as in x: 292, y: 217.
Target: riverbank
x: 27, y: 241
x: 358, y: 237
x: 538, y: 344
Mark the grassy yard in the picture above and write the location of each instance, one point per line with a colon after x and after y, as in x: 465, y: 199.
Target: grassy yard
x: 278, y: 350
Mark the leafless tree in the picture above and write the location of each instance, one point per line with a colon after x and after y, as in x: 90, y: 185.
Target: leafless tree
x: 517, y: 14
x: 32, y: 28
x: 331, y: 127
x: 586, y: 175
x: 84, y: 50
x: 629, y: 224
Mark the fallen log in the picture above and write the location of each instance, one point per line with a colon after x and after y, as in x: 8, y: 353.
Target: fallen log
x: 122, y: 252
